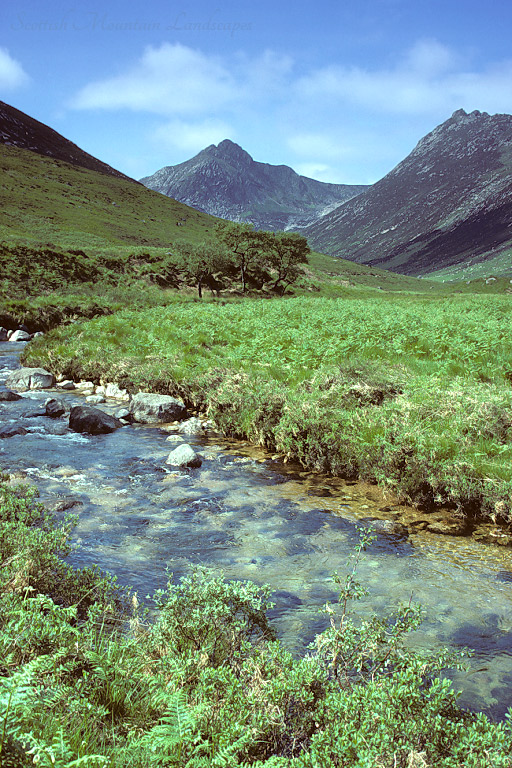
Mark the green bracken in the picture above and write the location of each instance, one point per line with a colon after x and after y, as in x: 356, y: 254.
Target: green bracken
x: 86, y: 680
x: 413, y: 393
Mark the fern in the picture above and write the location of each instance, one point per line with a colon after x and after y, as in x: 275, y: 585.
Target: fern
x: 173, y: 732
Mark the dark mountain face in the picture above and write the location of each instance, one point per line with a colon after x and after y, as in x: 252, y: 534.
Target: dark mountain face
x: 19, y: 130
x: 225, y: 181
x: 448, y: 203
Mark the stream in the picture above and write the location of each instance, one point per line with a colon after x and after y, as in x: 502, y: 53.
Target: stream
x: 254, y: 517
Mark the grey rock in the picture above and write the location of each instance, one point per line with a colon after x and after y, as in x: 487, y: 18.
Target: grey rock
x: 67, y: 385
x: 84, y: 418
x: 11, y: 431
x: 123, y: 413
x: 114, y: 390
x: 184, y: 456
x: 9, y: 397
x: 20, y: 336
x: 37, y: 334
x: 148, y: 408
x: 95, y: 399
x: 30, y: 378
x: 192, y: 426
x: 3, y: 333
x: 55, y: 408
x: 225, y: 181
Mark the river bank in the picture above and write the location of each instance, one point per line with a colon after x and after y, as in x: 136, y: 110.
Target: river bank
x: 413, y: 395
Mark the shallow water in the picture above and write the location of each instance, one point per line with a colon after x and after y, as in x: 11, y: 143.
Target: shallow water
x: 257, y: 518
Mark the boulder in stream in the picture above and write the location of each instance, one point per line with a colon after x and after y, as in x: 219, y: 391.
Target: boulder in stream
x: 148, y: 408
x: 93, y: 421
x: 184, y: 456
x: 3, y: 333
x: 30, y: 378
x: 11, y: 431
x: 55, y: 408
x: 9, y: 397
x: 193, y: 426
x: 20, y: 336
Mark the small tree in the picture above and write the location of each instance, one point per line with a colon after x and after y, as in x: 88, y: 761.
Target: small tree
x: 289, y: 249
x: 199, y: 263
x: 248, y: 247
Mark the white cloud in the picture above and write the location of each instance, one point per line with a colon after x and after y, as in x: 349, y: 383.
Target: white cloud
x: 171, y: 79
x: 174, y: 79
x: 12, y: 74
x: 429, y: 79
x: 192, y: 137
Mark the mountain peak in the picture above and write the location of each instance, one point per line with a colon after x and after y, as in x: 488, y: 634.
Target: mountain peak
x: 225, y: 181
x: 229, y: 150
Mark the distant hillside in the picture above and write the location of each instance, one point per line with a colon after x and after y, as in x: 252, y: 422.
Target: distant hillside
x: 447, y: 206
x: 19, y: 130
x: 50, y: 201
x: 225, y: 181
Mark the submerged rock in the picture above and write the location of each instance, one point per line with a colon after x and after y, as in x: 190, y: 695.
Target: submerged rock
x: 30, y: 378
x: 84, y: 418
x: 184, y: 456
x: 11, y: 431
x: 9, y: 397
x: 148, y: 408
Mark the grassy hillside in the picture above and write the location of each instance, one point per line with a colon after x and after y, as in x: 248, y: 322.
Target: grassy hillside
x: 43, y: 200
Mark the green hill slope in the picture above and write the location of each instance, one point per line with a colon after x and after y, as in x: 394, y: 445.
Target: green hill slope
x: 43, y: 199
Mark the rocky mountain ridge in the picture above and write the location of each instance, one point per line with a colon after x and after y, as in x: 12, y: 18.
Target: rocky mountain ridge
x: 449, y: 202
x: 225, y: 181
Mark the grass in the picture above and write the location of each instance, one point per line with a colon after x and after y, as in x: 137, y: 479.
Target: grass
x: 408, y: 391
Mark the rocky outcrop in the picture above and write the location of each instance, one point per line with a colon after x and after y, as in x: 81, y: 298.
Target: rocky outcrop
x: 92, y: 421
x: 148, y: 408
x: 30, y: 378
x: 225, y: 181
x: 184, y: 456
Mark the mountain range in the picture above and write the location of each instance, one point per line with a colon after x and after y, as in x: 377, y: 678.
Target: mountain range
x: 444, y: 211
x: 225, y: 181
x: 447, y: 206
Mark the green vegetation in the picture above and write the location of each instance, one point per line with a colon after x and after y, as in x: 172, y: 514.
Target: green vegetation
x: 85, y: 680
x: 410, y: 392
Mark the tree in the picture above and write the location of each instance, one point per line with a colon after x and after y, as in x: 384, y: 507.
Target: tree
x: 248, y: 247
x: 200, y: 263
x: 289, y: 249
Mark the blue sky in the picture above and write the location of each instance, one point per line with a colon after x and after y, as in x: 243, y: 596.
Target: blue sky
x: 340, y: 91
